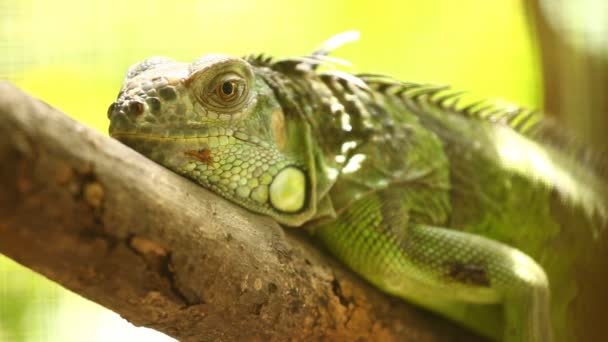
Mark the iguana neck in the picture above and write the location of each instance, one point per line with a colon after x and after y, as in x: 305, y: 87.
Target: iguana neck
x: 364, y: 141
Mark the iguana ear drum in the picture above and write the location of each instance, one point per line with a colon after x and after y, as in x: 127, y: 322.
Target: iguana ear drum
x: 289, y: 190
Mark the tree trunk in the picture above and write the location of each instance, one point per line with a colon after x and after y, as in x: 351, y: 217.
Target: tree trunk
x: 573, y: 40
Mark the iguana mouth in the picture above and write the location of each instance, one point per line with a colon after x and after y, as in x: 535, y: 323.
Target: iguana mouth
x: 171, y: 137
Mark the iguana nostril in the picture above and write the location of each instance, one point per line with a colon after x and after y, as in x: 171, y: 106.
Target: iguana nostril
x: 136, y: 108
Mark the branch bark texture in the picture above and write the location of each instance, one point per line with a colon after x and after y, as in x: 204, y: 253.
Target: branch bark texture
x: 114, y: 227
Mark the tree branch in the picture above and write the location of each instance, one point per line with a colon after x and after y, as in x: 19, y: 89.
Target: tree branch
x: 112, y: 226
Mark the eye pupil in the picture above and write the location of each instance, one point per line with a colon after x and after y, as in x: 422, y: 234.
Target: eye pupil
x: 227, y: 88
x: 229, y: 91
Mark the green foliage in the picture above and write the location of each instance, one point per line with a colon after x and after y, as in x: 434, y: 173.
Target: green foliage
x: 27, y: 301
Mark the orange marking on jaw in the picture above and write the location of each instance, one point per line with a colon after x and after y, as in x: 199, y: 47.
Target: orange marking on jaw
x: 203, y: 155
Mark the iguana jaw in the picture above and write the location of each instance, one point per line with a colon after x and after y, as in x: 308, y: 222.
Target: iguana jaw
x: 260, y: 179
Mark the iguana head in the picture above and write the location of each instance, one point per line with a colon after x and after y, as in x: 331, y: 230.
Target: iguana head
x: 218, y: 123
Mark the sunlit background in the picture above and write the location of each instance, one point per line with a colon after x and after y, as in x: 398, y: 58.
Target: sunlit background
x: 74, y: 54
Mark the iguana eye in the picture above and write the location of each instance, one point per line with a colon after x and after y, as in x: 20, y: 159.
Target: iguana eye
x: 222, y: 85
x: 228, y: 90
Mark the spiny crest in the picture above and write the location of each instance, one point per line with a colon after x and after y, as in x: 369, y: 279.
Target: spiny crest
x: 258, y: 59
x: 522, y: 120
x: 527, y: 122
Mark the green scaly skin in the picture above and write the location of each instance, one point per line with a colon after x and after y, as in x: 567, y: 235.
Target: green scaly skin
x: 425, y: 199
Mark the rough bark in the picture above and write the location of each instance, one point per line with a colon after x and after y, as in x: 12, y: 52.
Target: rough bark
x: 112, y: 226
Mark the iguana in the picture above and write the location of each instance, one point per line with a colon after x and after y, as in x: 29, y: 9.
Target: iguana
x: 461, y: 209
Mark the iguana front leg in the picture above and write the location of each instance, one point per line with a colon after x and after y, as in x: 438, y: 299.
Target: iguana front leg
x: 441, y: 269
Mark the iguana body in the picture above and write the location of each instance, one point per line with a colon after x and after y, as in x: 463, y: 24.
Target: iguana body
x: 418, y: 195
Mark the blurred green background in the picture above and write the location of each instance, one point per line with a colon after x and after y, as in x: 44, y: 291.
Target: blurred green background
x: 74, y: 54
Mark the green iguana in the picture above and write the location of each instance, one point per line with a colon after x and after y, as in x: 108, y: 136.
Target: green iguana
x: 461, y: 209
